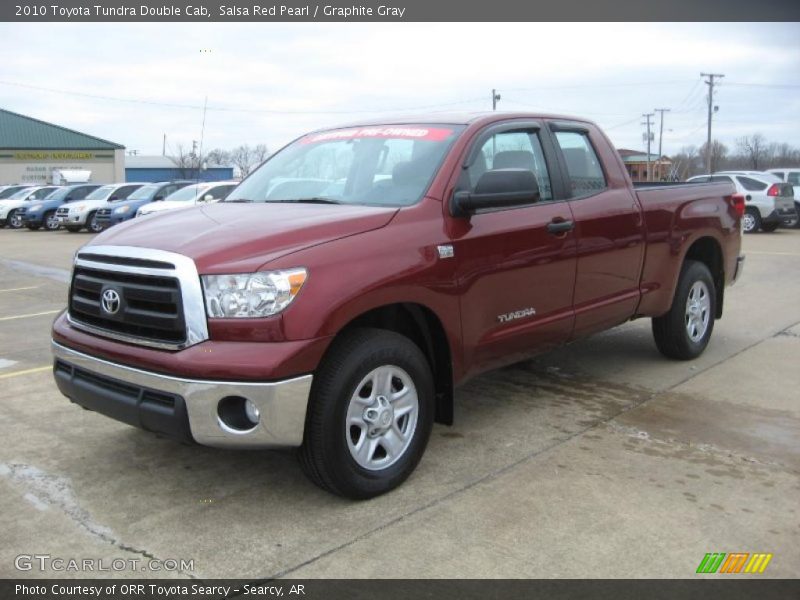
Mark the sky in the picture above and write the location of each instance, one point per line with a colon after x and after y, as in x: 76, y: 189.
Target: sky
x: 267, y: 83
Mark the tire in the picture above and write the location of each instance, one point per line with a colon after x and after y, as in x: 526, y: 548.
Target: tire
x: 357, y: 461
x: 14, y: 220
x: 50, y: 221
x: 92, y: 225
x: 797, y: 210
x: 751, y: 221
x: 683, y: 333
x: 769, y: 228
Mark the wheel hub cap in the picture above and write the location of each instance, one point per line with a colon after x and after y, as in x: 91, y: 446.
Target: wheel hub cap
x: 382, y: 417
x: 698, y: 311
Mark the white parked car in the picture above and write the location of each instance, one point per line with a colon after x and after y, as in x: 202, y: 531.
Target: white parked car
x: 191, y: 195
x: 77, y: 215
x: 790, y: 175
x: 9, y: 208
x: 769, y: 202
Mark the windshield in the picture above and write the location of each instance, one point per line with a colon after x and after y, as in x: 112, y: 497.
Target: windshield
x: 190, y: 192
x: 100, y: 193
x: 144, y: 193
x: 42, y: 193
x: 389, y: 165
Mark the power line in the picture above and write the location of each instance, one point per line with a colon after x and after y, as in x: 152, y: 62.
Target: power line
x: 231, y: 109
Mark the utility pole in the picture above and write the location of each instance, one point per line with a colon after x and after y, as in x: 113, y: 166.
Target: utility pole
x: 660, y: 129
x: 711, y: 109
x: 495, y: 98
x: 649, y: 123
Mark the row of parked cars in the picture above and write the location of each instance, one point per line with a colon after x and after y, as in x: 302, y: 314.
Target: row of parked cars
x: 96, y: 207
x: 772, y: 198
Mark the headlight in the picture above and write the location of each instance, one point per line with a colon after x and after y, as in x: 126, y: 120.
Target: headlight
x: 121, y: 210
x: 35, y: 208
x: 252, y: 295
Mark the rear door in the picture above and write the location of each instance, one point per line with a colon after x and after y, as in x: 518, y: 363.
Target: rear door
x: 609, y: 228
x: 516, y: 277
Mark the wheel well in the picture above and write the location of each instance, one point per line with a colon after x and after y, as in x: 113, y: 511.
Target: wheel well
x: 708, y: 251
x: 424, y: 328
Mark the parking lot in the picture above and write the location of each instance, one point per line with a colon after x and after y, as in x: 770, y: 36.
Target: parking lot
x: 602, y: 459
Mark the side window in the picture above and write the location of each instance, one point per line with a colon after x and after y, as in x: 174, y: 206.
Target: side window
x: 583, y: 167
x: 126, y: 191
x: 167, y: 191
x: 794, y: 178
x: 512, y: 150
x: 80, y: 193
x: 721, y: 179
x: 219, y: 192
x: 702, y: 179
x: 751, y: 185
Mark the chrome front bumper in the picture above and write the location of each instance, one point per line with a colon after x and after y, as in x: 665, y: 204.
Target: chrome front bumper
x: 282, y: 404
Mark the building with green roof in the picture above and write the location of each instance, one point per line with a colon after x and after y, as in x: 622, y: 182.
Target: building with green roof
x: 34, y: 151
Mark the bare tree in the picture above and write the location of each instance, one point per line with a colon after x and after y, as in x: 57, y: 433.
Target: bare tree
x: 686, y: 163
x: 245, y: 157
x: 187, y: 163
x: 719, y: 154
x: 218, y: 156
x: 754, y: 148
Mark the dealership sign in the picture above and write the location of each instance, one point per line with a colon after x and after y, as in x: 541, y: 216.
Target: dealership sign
x: 59, y: 155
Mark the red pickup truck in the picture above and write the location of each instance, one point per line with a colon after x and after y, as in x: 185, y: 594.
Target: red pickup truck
x: 343, y: 290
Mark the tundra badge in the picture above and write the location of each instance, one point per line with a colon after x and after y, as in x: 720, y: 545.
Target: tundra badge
x: 517, y: 314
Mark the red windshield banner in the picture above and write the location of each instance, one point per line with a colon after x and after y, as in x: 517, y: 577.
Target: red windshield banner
x: 413, y: 132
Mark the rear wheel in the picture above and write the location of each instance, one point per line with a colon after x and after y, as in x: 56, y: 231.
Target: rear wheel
x: 50, y: 221
x: 14, y: 219
x: 751, y: 221
x: 683, y: 332
x: 370, y: 414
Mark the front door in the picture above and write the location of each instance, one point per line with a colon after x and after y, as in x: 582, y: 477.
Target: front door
x: 516, y: 272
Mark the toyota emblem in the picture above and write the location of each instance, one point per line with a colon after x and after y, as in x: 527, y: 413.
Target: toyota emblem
x: 111, y: 301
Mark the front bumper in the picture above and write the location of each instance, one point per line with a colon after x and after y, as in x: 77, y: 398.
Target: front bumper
x: 185, y: 409
x: 33, y: 218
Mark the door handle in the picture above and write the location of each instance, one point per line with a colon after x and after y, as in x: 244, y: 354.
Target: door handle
x: 557, y: 227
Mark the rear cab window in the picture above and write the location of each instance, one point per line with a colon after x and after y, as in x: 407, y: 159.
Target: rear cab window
x: 584, y: 170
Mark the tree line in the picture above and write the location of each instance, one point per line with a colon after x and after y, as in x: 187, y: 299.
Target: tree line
x: 750, y: 153
x: 243, y: 158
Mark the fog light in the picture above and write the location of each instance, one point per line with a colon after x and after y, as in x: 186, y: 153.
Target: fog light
x: 252, y: 412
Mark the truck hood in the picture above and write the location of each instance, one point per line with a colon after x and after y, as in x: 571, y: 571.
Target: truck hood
x: 239, y: 238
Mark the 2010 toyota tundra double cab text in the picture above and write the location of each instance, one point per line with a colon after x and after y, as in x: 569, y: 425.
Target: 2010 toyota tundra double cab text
x: 340, y: 293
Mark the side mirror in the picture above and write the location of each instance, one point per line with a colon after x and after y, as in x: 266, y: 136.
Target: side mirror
x: 499, y: 188
x: 208, y: 198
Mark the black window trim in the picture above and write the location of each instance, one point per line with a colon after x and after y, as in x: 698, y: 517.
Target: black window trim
x: 559, y: 125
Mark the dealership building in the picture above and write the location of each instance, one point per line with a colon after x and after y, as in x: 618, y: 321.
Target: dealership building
x: 34, y: 151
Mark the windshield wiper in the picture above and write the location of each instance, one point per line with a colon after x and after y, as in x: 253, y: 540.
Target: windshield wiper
x: 312, y: 200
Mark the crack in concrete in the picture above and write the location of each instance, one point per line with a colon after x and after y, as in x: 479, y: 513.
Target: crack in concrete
x: 491, y: 476
x: 45, y: 490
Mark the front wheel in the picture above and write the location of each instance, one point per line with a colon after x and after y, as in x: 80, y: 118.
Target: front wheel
x: 93, y: 224
x: 51, y: 222
x: 14, y: 219
x: 683, y: 332
x: 370, y: 414
x: 751, y: 221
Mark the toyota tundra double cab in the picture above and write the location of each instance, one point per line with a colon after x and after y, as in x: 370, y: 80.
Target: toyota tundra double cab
x: 341, y: 292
